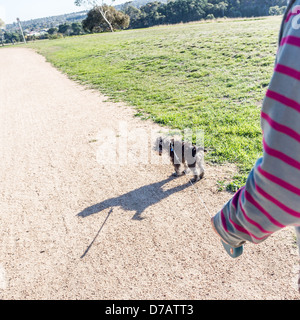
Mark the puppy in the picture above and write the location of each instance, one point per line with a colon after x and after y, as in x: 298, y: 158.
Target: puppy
x: 184, y: 156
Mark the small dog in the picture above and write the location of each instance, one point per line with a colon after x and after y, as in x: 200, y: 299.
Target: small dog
x: 184, y: 156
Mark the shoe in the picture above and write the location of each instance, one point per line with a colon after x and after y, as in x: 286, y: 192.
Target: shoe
x: 233, y: 252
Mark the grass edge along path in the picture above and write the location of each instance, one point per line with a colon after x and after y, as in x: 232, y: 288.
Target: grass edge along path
x: 209, y: 76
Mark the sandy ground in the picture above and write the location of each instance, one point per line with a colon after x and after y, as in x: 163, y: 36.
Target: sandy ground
x: 73, y: 226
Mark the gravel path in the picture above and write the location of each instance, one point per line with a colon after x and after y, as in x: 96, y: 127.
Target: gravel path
x: 74, y: 228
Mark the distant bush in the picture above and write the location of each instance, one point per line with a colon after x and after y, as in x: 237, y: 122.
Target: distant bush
x: 276, y: 10
x: 12, y: 37
x: 52, y: 31
x: 210, y: 17
x: 55, y: 36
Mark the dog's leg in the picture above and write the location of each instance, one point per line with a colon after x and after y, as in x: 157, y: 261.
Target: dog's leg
x: 196, y: 178
x: 187, y: 170
x: 194, y: 171
x: 201, y: 173
x: 198, y: 174
x: 178, y: 170
x: 201, y: 166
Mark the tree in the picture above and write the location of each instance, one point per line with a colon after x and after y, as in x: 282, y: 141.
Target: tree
x: 94, y: 21
x: 12, y: 37
x: 52, y: 30
x: 134, y: 15
x: 76, y: 29
x: 101, y: 8
x: 64, y: 29
x: 276, y: 10
x: 223, y: 6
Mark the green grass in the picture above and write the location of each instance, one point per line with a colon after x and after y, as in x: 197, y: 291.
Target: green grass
x: 210, y: 76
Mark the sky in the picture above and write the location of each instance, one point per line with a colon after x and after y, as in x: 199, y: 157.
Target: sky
x: 32, y: 9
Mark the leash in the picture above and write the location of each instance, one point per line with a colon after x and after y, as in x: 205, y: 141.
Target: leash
x: 233, y: 252
x: 196, y: 191
x: 200, y: 198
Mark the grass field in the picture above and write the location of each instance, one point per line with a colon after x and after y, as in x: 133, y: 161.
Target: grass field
x: 206, y: 75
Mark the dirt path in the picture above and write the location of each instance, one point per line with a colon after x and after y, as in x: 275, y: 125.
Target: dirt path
x: 71, y: 228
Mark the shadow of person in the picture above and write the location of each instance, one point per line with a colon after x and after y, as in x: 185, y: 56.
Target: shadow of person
x: 137, y: 200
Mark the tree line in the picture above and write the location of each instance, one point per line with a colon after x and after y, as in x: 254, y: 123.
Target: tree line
x: 65, y: 29
x: 177, y: 11
x: 155, y: 13
x: 48, y: 22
